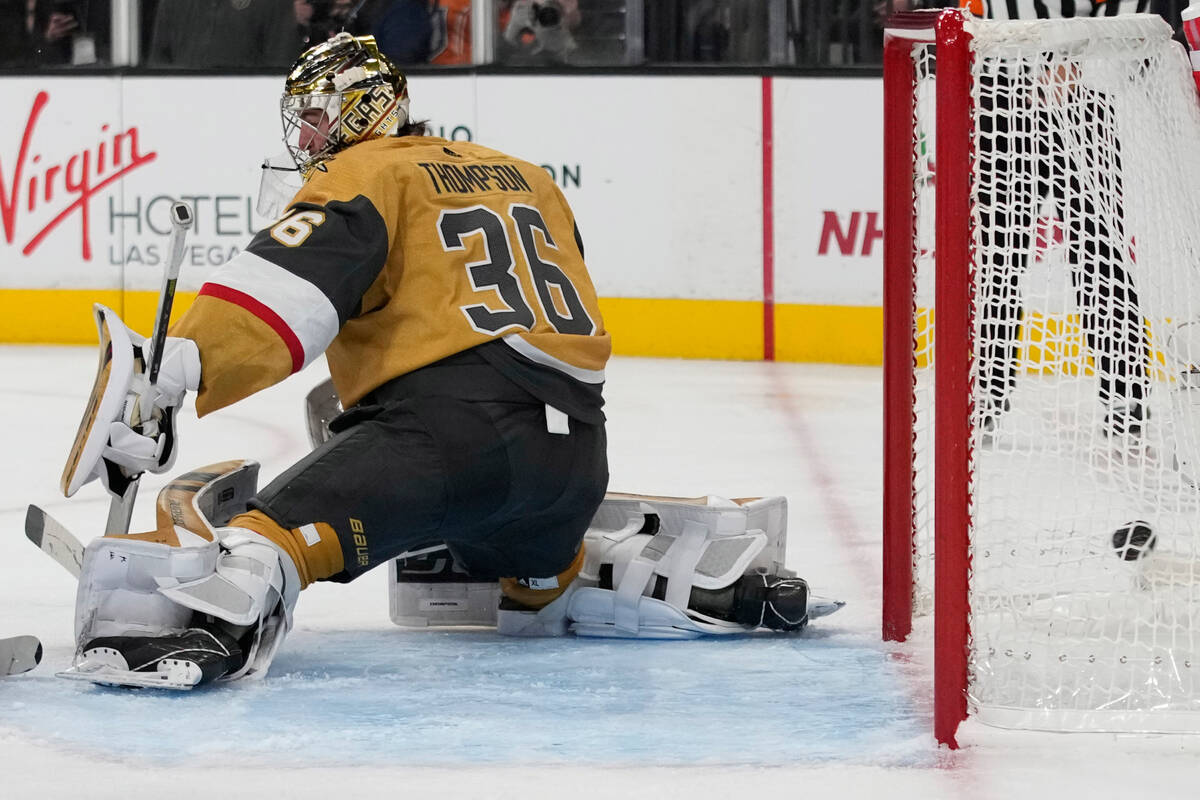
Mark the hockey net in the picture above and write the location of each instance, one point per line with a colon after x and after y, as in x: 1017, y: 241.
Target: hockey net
x: 1042, y: 218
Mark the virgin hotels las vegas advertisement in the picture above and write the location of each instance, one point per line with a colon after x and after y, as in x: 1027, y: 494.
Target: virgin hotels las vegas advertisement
x: 697, y: 200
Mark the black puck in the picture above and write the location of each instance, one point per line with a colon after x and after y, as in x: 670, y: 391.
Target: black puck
x: 1133, y: 540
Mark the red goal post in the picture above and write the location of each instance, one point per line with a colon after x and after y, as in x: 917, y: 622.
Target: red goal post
x: 906, y: 33
x: 1038, y: 205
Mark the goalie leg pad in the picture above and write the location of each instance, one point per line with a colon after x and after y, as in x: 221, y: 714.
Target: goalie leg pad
x: 119, y: 583
x: 145, y: 595
x: 254, y: 586
x: 668, y: 568
x: 719, y: 515
x: 121, y: 576
x: 148, y: 586
x: 207, y: 498
x: 429, y: 588
x: 686, y: 568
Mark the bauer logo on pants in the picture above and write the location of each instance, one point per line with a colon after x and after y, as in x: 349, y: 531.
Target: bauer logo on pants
x: 360, y: 542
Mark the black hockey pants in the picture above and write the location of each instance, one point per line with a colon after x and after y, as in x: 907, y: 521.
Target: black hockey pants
x: 456, y: 454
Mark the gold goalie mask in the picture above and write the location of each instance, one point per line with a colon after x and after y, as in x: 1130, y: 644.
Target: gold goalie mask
x: 338, y: 93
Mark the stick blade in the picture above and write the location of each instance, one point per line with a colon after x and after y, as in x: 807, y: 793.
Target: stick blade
x: 53, y: 539
x: 19, y: 654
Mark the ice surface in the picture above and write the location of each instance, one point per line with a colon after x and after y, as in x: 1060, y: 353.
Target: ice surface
x: 354, y: 707
x: 462, y: 698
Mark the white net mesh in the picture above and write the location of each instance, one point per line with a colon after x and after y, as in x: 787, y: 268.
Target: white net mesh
x: 924, y: 266
x: 1085, y: 222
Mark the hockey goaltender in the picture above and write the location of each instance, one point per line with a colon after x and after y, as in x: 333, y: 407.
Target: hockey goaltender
x: 445, y: 283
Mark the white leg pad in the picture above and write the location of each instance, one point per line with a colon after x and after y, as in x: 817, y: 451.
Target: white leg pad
x: 553, y: 620
x: 254, y: 585
x: 428, y: 588
x: 705, y: 544
x: 593, y: 612
x: 129, y: 587
x: 720, y: 516
x: 119, y: 582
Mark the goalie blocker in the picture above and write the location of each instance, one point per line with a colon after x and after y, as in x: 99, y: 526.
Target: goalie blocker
x: 654, y: 567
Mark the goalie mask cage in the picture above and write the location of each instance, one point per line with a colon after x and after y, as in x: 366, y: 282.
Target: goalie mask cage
x: 1042, y: 241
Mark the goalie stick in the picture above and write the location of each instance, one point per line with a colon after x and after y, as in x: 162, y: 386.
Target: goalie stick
x: 19, y: 654
x: 53, y: 539
x: 181, y: 220
x: 121, y: 510
x: 84, y: 449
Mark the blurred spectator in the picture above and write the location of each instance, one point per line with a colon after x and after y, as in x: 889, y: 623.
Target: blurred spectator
x: 537, y: 32
x: 16, y: 32
x: 836, y: 33
x: 711, y: 35
x: 74, y: 32
x: 451, y: 23
x: 320, y: 19
x: 403, y: 29
x: 713, y: 31
x: 194, y: 34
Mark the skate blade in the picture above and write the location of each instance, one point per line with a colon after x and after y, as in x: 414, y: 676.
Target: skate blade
x: 171, y: 674
x: 822, y: 606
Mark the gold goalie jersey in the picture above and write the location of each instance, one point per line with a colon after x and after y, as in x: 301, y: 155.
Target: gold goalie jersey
x: 397, y: 253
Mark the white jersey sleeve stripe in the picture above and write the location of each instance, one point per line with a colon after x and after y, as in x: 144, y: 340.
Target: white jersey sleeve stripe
x: 301, y: 306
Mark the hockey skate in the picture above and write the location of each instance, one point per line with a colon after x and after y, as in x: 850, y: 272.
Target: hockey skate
x: 192, y: 658
x: 757, y: 600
